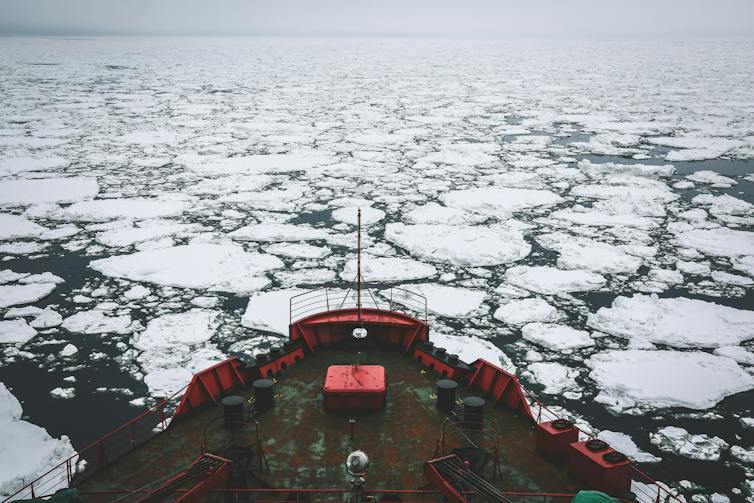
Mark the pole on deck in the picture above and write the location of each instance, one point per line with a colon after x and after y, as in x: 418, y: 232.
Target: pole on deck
x: 358, y: 265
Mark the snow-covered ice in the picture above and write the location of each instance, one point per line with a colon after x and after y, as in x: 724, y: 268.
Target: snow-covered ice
x: 453, y: 302
x: 12, y: 295
x: 520, y: 312
x: 28, y: 450
x: 47, y: 190
x: 678, y: 441
x: 587, y: 254
x: 556, y: 337
x: 678, y: 322
x: 387, y: 269
x: 269, y: 311
x: 173, y: 347
x: 218, y: 267
x: 651, y: 378
x: 16, y: 332
x: 97, y: 322
x: 499, y: 202
x: 550, y: 281
x: 459, y: 245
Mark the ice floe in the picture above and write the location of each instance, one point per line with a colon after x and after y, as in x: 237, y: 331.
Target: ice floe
x: 174, y: 346
x: 218, y: 267
x: 433, y: 213
x: 459, y: 245
x: 578, y: 252
x: 720, y: 242
x: 387, y: 269
x: 12, y: 295
x: 555, y: 377
x: 18, y: 227
x: 678, y: 441
x: 471, y: 348
x: 16, y: 332
x: 47, y: 190
x: 499, y: 202
x: 275, y: 232
x: 270, y: 311
x: 520, y: 312
x: 97, y: 322
x: 556, y: 337
x: 651, y: 378
x: 102, y: 210
x: 624, y: 444
x: 28, y: 450
x: 453, y: 302
x: 678, y: 322
x: 551, y: 281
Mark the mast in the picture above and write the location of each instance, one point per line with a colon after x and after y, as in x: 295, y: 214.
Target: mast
x: 358, y: 265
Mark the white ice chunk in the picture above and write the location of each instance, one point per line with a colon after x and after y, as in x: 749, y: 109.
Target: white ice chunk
x: 387, y: 269
x: 707, y: 176
x: 499, y: 202
x: 298, y: 250
x: 720, y: 242
x: 174, y: 346
x: 69, y: 350
x: 11, y: 295
x: 433, y: 213
x: 47, y: 319
x: 679, y: 441
x: 16, y: 332
x: 47, y: 190
x: 578, y: 252
x: 137, y: 292
x: 269, y: 311
x: 127, y: 236
x: 449, y: 301
x: 274, y: 232
x: 624, y: 444
x: 731, y: 279
x: 651, y: 378
x: 28, y: 450
x: 96, y: 322
x: 556, y: 337
x: 470, y: 348
x: 551, y: 281
x: 301, y: 160
x: 679, y: 322
x: 520, y: 312
x: 102, y: 210
x: 744, y: 264
x: 220, y: 267
x: 459, y: 245
x: 555, y: 377
x: 738, y: 353
x: 18, y: 227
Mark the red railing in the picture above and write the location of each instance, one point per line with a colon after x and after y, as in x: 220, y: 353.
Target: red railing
x: 334, y: 299
x: 102, y: 451
x: 650, y: 491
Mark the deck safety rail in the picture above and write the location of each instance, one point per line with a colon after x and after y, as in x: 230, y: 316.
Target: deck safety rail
x: 648, y: 490
x: 332, y: 299
x: 103, y: 451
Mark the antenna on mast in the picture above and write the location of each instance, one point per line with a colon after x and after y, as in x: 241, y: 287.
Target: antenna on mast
x: 358, y: 265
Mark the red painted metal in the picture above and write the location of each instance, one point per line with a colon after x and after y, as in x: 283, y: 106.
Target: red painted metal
x: 591, y: 468
x: 434, y: 363
x: 331, y: 327
x: 553, y: 443
x: 355, y: 387
x: 206, y: 386
x: 437, y: 480
x: 503, y: 386
x: 280, y: 363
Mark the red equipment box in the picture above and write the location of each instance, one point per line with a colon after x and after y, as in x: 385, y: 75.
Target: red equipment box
x: 600, y: 467
x: 355, y: 387
x: 554, y: 439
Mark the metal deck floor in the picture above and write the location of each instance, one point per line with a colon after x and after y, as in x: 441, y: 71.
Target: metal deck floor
x: 306, y: 445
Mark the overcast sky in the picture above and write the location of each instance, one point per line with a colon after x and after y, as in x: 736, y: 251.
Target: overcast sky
x: 557, y: 18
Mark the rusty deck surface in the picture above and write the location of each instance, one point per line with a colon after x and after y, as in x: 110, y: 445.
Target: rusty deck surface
x: 305, y: 445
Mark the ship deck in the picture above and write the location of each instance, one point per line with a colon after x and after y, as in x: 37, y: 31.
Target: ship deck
x: 305, y: 445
